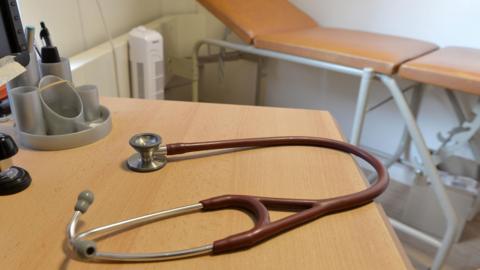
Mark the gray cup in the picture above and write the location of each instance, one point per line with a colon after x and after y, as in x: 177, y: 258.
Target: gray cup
x: 29, y: 77
x: 60, y: 69
x: 62, y: 108
x: 49, y: 79
x: 91, y: 102
x: 27, y: 109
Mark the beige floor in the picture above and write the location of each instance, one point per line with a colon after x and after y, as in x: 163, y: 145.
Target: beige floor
x: 465, y: 254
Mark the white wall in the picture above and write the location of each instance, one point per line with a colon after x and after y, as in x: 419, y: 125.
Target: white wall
x: 75, y: 25
x: 444, y: 22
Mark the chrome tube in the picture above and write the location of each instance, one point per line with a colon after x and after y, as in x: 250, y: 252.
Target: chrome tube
x: 278, y: 55
x: 142, y: 219
x: 429, y: 169
x: 415, y: 233
x: 72, y: 226
x: 261, y: 52
x: 361, y: 107
x: 158, y: 256
x: 86, y: 249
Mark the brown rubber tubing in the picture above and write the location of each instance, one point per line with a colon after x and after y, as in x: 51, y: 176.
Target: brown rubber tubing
x: 308, y: 209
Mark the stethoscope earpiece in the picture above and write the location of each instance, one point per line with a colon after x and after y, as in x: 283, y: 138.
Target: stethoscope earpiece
x: 85, y: 249
x: 150, y: 155
x: 84, y: 200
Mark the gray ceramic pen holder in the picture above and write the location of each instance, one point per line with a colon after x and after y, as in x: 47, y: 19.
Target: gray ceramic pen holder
x: 27, y: 109
x: 57, y: 116
x: 62, y: 108
x: 91, y: 102
x: 60, y: 69
x: 31, y: 77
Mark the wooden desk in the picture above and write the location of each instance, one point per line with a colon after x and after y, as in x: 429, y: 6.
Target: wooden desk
x: 32, y: 223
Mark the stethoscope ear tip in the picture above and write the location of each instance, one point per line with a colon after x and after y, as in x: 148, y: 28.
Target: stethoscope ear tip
x: 84, y: 200
x: 85, y: 249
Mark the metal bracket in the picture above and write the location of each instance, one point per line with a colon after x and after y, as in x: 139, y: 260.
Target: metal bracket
x: 183, y: 66
x: 459, y: 136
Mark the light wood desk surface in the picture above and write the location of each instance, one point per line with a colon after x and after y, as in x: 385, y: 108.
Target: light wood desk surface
x: 33, y: 222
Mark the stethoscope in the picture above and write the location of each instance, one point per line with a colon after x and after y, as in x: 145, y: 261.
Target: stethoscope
x: 152, y: 156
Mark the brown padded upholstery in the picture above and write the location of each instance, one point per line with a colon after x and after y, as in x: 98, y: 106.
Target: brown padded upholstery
x: 454, y: 68
x: 279, y: 26
x: 249, y: 18
x: 358, y: 49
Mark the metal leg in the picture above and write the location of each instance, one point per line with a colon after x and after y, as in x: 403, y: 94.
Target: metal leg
x: 460, y: 135
x: 407, y: 146
x: 429, y: 169
x: 415, y: 103
x: 196, y: 71
x: 221, y: 56
x: 461, y: 117
x: 457, y: 108
x: 396, y: 156
x: 403, y: 147
x: 258, y: 84
x: 475, y: 146
x: 361, y: 107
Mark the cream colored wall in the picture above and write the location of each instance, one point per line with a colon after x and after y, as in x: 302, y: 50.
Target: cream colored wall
x: 76, y: 25
x: 444, y: 22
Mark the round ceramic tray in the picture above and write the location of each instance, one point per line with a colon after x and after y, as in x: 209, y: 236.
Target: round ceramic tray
x: 96, y: 130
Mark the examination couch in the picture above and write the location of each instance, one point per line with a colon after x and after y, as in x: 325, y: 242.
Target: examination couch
x: 277, y: 29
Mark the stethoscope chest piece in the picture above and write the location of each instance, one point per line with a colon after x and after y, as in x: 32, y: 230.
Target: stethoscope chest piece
x: 150, y: 156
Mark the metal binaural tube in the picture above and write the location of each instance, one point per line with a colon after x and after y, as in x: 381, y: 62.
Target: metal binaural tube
x: 142, y: 219
x: 84, y: 200
x: 72, y: 226
x: 87, y: 249
x: 152, y: 157
x: 158, y: 256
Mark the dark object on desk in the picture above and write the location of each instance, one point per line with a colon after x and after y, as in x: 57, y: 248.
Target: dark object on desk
x: 5, y: 108
x: 12, y: 179
x: 31, y: 76
x: 49, y: 52
x: 51, y: 62
x: 3, y: 92
x: 12, y: 37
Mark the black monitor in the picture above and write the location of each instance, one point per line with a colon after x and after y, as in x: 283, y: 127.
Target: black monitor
x: 12, y: 37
